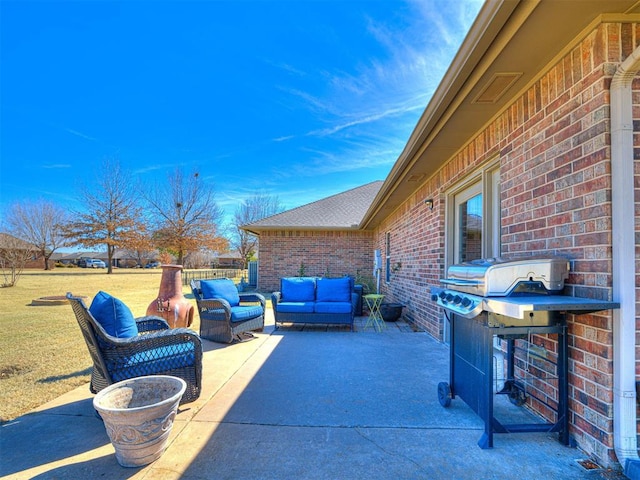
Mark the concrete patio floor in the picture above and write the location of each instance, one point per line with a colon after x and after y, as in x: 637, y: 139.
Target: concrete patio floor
x: 312, y: 404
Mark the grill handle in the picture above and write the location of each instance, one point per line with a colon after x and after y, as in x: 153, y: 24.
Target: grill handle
x: 462, y: 282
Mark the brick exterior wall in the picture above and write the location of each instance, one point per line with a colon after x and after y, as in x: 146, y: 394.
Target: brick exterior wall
x: 323, y: 253
x: 553, y: 144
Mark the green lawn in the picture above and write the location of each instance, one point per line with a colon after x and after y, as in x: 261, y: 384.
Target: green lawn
x: 42, y: 352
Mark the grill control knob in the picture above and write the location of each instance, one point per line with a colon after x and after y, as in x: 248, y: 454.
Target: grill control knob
x: 466, y: 301
x: 449, y: 297
x: 457, y: 299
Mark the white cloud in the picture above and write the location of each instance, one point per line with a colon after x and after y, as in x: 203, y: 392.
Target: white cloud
x: 80, y: 134
x: 54, y: 166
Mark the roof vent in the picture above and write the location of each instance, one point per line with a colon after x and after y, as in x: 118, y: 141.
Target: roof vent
x: 415, y: 178
x: 497, y: 87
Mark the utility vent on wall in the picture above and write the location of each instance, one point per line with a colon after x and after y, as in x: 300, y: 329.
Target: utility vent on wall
x: 497, y: 87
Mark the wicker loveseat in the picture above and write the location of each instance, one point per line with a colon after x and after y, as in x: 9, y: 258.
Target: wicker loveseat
x: 315, y: 300
x: 145, y: 347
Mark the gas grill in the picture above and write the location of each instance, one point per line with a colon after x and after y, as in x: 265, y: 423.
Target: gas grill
x: 510, y: 300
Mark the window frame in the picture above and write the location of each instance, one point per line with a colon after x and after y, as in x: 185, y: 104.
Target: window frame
x: 487, y: 179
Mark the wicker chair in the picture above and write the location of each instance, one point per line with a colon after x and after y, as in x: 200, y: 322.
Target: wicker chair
x: 157, y: 350
x: 223, y: 323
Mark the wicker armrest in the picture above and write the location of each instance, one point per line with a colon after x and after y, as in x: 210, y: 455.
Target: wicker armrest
x: 253, y: 298
x: 213, y: 304
x: 151, y: 323
x: 159, y: 338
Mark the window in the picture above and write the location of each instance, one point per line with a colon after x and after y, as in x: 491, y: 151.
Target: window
x: 468, y: 224
x: 473, y: 224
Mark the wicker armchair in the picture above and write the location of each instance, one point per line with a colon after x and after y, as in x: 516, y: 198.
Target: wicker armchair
x: 156, y: 350
x: 221, y: 322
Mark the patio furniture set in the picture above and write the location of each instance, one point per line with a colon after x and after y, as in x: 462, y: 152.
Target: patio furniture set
x: 123, y: 347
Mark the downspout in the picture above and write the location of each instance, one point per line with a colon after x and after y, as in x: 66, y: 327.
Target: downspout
x: 624, y: 271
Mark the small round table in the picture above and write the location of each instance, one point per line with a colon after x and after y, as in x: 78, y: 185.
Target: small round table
x: 375, y: 317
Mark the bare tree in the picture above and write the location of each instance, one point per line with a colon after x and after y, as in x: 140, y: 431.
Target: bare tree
x: 39, y: 223
x: 255, y: 208
x: 185, y: 216
x: 112, y: 215
x: 14, y: 255
x: 202, y: 258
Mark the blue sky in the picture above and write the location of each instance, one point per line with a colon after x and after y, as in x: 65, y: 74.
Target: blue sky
x: 296, y: 99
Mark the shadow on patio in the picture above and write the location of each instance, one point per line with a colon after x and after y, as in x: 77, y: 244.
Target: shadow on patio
x: 299, y: 404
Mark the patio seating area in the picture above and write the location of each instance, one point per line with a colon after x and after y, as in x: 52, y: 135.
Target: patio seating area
x: 303, y: 402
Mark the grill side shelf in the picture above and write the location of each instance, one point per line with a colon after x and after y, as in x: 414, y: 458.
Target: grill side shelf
x: 517, y: 306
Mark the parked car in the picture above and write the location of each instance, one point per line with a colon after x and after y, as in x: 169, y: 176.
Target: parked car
x: 95, y: 263
x: 152, y: 265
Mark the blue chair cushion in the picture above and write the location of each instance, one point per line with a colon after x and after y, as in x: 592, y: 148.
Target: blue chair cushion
x: 242, y: 313
x: 153, y: 361
x: 333, y: 289
x: 222, y: 288
x: 295, y: 307
x: 114, y: 316
x: 298, y: 289
x: 332, y: 307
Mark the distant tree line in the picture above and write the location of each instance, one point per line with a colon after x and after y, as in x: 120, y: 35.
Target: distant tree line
x: 177, y: 217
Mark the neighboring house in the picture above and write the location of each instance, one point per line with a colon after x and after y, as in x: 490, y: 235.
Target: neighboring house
x: 62, y: 258
x: 228, y: 260
x: 530, y: 142
x: 25, y: 254
x: 322, y: 238
x: 74, y: 257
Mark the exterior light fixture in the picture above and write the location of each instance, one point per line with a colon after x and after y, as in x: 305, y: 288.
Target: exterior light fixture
x: 429, y: 203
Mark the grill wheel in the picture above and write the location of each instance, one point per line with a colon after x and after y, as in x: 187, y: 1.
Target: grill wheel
x: 444, y: 394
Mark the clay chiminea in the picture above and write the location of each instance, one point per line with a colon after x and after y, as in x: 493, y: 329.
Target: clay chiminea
x: 171, y: 304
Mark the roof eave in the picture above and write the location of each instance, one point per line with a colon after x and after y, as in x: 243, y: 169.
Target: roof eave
x: 257, y: 230
x: 488, y: 24
x: 506, y: 37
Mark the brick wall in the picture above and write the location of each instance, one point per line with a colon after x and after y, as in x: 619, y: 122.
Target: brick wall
x: 282, y: 253
x: 553, y: 144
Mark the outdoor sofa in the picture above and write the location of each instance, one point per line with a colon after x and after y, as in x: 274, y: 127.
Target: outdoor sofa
x: 315, y: 300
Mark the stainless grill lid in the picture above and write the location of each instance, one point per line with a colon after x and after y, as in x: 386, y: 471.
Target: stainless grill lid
x: 501, y: 276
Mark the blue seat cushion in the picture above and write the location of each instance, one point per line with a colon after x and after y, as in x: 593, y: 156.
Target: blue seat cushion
x: 295, y: 307
x: 333, y: 289
x: 222, y: 288
x: 332, y: 307
x: 153, y: 361
x: 242, y: 313
x: 113, y: 315
x: 298, y: 289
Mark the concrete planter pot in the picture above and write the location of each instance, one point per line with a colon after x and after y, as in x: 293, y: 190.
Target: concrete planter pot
x: 138, y: 414
x: 391, y: 311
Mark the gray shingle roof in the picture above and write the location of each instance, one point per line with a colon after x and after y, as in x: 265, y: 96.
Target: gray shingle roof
x: 341, y: 211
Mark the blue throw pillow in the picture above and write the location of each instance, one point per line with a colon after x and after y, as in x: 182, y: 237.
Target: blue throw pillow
x: 222, y: 288
x: 298, y: 289
x: 114, y: 316
x: 334, y: 289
